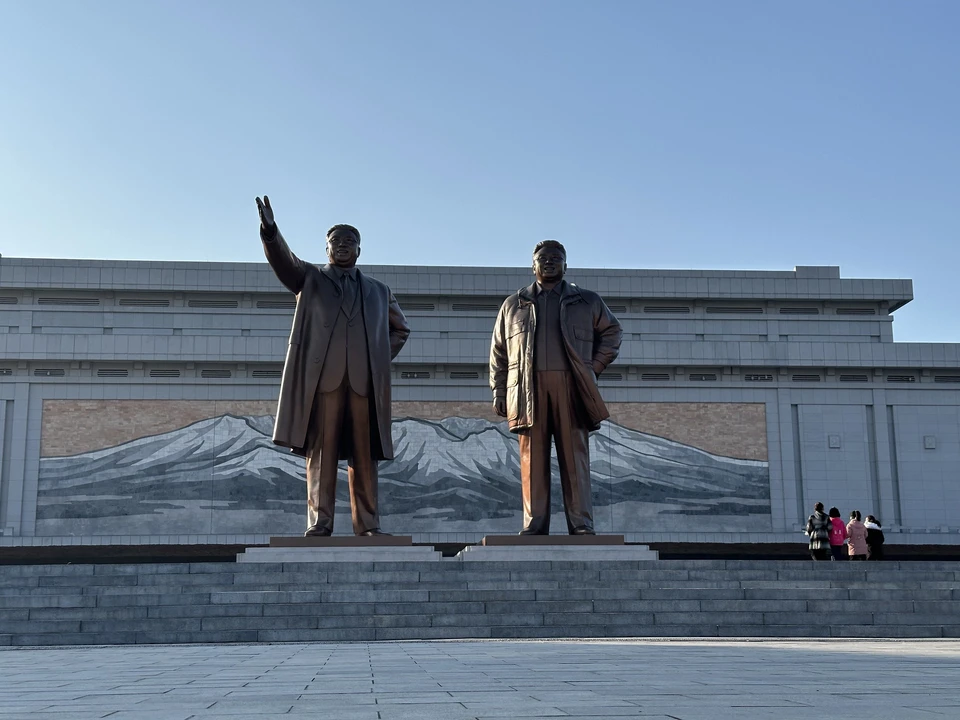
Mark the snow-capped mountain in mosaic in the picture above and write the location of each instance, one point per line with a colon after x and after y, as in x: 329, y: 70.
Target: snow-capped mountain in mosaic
x: 457, y: 469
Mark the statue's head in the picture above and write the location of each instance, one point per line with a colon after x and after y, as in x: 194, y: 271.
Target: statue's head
x: 343, y: 245
x: 549, y: 261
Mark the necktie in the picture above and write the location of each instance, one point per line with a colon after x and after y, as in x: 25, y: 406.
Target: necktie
x: 349, y: 292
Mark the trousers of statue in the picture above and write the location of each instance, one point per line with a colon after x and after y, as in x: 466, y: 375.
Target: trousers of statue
x: 345, y: 431
x: 555, y: 419
x: 341, y: 425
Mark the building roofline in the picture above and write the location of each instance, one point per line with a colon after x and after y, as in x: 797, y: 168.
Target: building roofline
x: 803, y: 283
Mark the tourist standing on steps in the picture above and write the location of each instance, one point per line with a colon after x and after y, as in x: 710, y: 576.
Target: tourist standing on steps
x: 874, y: 538
x: 818, y: 529
x: 838, y: 536
x: 857, y: 534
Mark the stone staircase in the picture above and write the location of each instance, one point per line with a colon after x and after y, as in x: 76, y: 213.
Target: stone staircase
x: 365, y: 601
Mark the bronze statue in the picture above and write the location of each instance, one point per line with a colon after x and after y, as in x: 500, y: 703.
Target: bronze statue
x: 551, y: 342
x: 335, y: 393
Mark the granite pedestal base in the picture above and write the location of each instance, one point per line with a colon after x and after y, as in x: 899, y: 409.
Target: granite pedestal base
x: 380, y: 548
x: 576, y: 548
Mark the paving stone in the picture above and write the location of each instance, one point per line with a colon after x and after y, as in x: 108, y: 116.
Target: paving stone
x: 255, y: 623
x: 688, y: 593
x: 142, y: 568
x: 540, y: 606
x: 321, y: 635
x: 487, y: 595
x: 887, y: 631
x: 160, y: 637
x: 810, y: 629
x: 152, y: 600
x: 318, y: 609
x: 88, y: 613
x: 86, y: 580
x: 847, y: 606
x: 596, y: 593
x: 30, y: 571
x: 883, y: 618
x: 432, y: 633
x: 831, y: 619
x: 41, y: 626
x: 232, y: 610
x: 777, y: 593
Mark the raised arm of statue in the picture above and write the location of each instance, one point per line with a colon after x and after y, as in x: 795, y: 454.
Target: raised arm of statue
x: 289, y: 269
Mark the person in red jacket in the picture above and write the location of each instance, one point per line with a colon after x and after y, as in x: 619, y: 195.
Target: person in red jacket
x: 838, y: 535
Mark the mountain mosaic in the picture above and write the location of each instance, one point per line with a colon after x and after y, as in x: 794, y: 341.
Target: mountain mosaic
x: 224, y: 475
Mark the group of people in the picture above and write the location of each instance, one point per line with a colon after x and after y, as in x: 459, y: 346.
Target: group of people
x: 831, y: 539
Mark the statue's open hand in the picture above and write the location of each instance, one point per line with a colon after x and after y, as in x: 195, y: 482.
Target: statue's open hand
x: 500, y: 406
x: 266, y: 212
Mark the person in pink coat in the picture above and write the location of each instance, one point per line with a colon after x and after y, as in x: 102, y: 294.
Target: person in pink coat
x: 838, y: 535
x: 857, y: 534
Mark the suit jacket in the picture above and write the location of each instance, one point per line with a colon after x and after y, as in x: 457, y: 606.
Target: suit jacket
x: 591, y: 337
x: 319, y: 294
x: 347, y: 349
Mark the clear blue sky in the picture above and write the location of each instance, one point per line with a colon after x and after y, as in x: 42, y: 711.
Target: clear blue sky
x: 671, y: 134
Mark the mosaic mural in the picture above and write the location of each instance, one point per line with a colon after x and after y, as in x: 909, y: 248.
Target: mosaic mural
x: 195, y: 467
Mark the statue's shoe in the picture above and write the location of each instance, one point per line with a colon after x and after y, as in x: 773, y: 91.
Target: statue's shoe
x: 314, y: 531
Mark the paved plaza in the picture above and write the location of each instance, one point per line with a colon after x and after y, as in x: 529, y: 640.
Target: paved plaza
x: 682, y: 680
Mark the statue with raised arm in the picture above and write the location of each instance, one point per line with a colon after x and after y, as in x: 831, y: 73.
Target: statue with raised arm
x: 551, y: 342
x: 335, y: 393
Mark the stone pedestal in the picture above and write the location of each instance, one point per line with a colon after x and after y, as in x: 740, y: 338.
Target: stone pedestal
x: 341, y: 541
x: 379, y: 548
x: 551, y: 540
x: 577, y: 548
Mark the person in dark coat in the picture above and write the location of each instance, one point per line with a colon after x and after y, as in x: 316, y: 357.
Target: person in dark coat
x: 874, y: 538
x: 335, y: 392
x: 551, y: 341
x: 818, y: 529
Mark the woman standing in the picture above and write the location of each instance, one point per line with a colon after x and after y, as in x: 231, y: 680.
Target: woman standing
x: 858, y: 537
x: 818, y: 529
x: 838, y: 535
x: 874, y: 538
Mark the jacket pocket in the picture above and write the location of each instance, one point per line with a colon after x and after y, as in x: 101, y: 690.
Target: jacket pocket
x: 513, y: 404
x: 516, y: 339
x: 515, y: 328
x: 583, y: 344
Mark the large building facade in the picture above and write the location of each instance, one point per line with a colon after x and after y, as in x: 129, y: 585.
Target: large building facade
x: 138, y: 401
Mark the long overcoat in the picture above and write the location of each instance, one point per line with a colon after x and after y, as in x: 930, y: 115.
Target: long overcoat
x: 591, y: 336
x: 858, y: 538
x: 818, y: 528
x: 319, y: 294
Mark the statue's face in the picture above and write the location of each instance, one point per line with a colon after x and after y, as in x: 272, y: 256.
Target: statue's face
x: 343, y: 249
x: 549, y: 264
